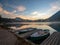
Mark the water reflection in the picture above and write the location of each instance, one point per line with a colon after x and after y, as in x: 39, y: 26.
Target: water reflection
x: 56, y: 26
x: 43, y: 27
x: 35, y: 32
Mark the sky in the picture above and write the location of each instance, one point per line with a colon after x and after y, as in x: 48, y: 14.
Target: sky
x: 29, y: 9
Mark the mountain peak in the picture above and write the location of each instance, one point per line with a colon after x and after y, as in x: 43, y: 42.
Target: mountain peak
x: 58, y: 11
x: 55, y: 17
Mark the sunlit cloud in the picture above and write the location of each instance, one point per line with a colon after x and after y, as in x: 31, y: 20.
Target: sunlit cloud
x: 6, y: 12
x: 38, y: 15
x: 21, y: 8
x: 14, y: 11
x: 34, y: 13
x: 1, y: 9
x: 54, y: 7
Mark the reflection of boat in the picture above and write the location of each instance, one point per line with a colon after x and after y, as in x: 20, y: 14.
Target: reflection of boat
x: 25, y: 30
x: 39, y: 36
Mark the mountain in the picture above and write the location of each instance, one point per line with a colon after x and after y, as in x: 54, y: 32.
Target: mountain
x: 55, y: 17
x: 18, y: 19
x: 22, y: 20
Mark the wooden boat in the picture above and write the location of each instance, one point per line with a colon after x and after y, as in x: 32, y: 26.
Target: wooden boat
x: 25, y: 30
x: 39, y: 36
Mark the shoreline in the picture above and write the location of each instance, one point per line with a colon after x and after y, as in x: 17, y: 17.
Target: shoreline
x: 14, y: 39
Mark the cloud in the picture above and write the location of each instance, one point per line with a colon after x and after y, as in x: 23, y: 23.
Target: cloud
x: 37, y: 15
x: 21, y: 8
x: 14, y: 11
x: 54, y: 7
x: 35, y: 12
x: 6, y: 12
x: 1, y: 9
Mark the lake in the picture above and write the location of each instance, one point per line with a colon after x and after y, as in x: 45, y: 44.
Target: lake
x: 51, y: 26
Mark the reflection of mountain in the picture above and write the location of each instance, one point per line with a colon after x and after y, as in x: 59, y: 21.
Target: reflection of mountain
x: 55, y: 17
x: 56, y: 26
x: 43, y: 27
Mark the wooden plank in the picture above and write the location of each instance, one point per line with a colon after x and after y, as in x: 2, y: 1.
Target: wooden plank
x: 53, y: 39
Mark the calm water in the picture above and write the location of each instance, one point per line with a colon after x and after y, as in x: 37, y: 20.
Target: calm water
x: 52, y: 27
x: 38, y: 25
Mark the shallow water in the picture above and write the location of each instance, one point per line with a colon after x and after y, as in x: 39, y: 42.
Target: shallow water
x: 52, y: 27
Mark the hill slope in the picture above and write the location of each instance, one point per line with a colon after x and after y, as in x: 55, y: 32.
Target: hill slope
x: 55, y: 17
